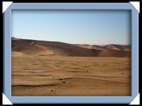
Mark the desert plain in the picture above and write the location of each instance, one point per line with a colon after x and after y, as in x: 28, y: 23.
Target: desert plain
x: 58, y: 69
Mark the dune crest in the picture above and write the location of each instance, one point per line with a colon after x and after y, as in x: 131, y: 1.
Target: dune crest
x: 44, y: 48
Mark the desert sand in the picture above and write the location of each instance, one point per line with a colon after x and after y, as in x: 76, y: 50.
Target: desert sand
x: 39, y: 70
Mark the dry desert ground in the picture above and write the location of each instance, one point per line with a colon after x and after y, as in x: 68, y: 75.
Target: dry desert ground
x: 70, y: 76
x: 43, y: 70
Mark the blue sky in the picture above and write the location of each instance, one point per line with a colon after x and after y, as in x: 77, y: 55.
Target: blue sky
x: 73, y: 26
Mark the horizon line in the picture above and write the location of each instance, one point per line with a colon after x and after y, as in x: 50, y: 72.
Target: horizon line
x: 75, y: 43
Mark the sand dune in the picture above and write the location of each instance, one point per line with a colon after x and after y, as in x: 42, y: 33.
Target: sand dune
x: 113, y: 53
x: 110, y: 46
x: 118, y: 47
x: 91, y: 47
x: 64, y: 49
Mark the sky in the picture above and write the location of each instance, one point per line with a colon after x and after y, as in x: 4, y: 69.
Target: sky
x: 73, y: 26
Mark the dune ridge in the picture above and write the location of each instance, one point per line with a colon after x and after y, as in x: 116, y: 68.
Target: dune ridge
x: 59, y: 48
x: 118, y: 47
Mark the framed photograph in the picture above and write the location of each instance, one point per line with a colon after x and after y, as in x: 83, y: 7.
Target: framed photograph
x: 71, y: 52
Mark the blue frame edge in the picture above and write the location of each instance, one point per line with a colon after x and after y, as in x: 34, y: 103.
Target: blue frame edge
x: 72, y: 99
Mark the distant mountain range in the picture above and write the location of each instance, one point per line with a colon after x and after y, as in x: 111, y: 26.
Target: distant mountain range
x: 46, y: 48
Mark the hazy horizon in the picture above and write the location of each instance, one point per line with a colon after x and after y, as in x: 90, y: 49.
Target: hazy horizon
x: 76, y: 43
x: 73, y: 26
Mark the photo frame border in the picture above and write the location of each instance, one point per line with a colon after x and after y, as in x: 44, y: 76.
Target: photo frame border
x: 72, y: 99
